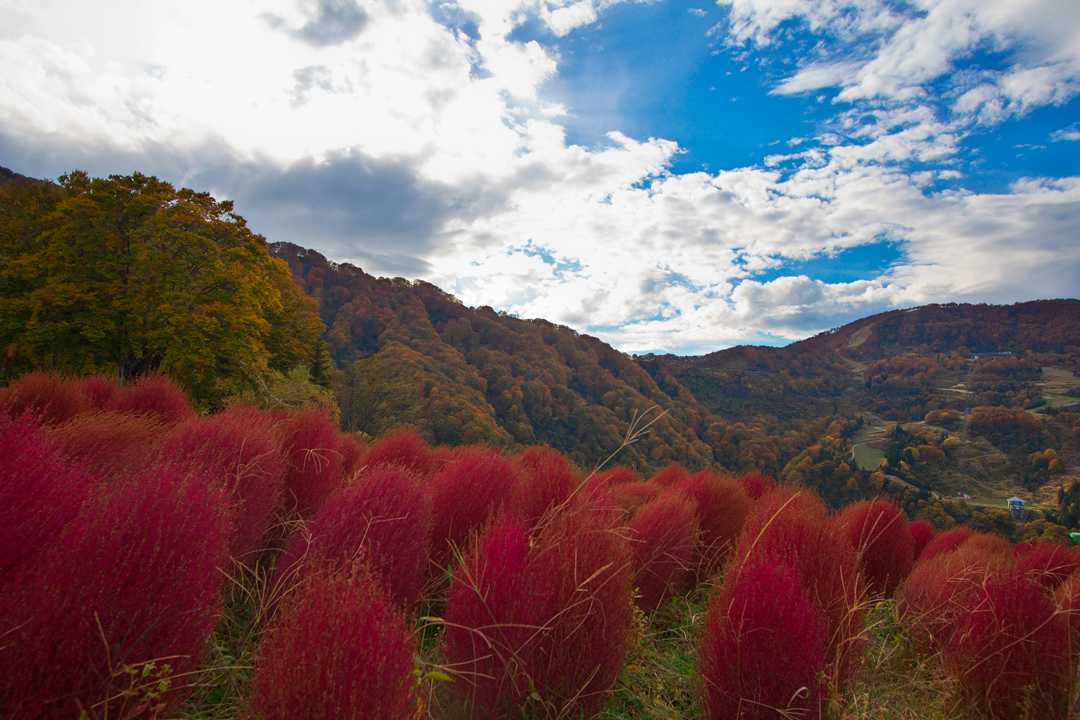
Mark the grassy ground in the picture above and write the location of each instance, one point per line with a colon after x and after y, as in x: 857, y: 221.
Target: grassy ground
x: 868, y: 458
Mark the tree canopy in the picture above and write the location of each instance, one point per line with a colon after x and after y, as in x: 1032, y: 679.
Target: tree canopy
x: 127, y: 274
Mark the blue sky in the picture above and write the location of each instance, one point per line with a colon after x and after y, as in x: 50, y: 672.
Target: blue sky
x: 670, y: 176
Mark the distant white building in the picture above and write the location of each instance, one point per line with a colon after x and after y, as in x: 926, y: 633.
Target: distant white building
x: 1016, y: 507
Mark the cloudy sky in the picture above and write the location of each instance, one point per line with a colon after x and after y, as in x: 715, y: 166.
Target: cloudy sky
x: 669, y: 176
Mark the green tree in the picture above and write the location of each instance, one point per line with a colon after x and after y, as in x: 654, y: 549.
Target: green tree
x: 131, y: 275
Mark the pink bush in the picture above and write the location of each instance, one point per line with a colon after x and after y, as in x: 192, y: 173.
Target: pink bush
x: 353, y: 455
x: 619, y: 475
x: 405, y: 448
x: 110, y: 444
x: 1046, y: 563
x: 475, y: 482
x: 340, y: 648
x: 792, y: 526
x: 154, y: 395
x: 131, y: 584
x: 763, y: 650
x: 40, y: 495
x: 546, y: 483
x: 1010, y: 653
x: 98, y: 390
x: 492, y: 623
x: 632, y: 496
x: 581, y: 575
x: 756, y: 484
x: 946, y: 541
x: 670, y: 475
x: 879, y: 534
x: 938, y: 591
x: 47, y: 395
x: 382, y: 517
x: 1067, y: 599
x: 309, y: 447
x: 721, y: 505
x: 239, y: 449
x: 663, y: 537
x: 922, y: 532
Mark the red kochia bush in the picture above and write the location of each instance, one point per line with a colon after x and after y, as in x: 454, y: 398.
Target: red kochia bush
x: 154, y: 395
x: 1067, y: 599
x: 237, y: 448
x: 1044, y: 562
x: 946, y: 541
x: 792, y: 526
x: 134, y: 580
x: 663, y: 536
x: 581, y: 573
x: 721, y: 506
x: 756, y: 484
x: 763, y: 650
x: 550, y: 616
x: 474, y: 482
x: 309, y: 448
x: 491, y: 623
x: 110, y: 444
x: 98, y: 390
x: 546, y: 483
x: 670, y: 475
x: 1010, y: 653
x: 40, y: 495
x: 47, y: 395
x: 632, y: 496
x: 383, y: 517
x: 922, y: 532
x: 340, y: 648
x: 878, y: 533
x: 405, y: 448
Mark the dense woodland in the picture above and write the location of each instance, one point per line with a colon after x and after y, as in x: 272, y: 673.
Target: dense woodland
x: 205, y: 435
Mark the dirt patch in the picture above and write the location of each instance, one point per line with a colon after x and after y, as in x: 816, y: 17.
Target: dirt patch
x: 859, y: 336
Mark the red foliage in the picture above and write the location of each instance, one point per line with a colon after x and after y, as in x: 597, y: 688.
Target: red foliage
x: 133, y: 580
x: 383, y: 517
x: 40, y: 495
x: 880, y: 536
x: 1010, y: 653
x: 353, y: 455
x: 237, y: 448
x: 663, y: 537
x: 938, y: 591
x: 1047, y: 563
x: 670, y: 475
x: 405, y: 448
x: 763, y: 651
x: 946, y: 541
x: 110, y: 444
x: 475, y: 482
x: 154, y: 395
x: 309, y: 447
x: 756, y: 484
x: 1067, y: 599
x: 581, y: 575
x: 721, y: 505
x: 340, y: 649
x: 922, y: 532
x: 547, y: 482
x: 792, y: 526
x: 47, y: 395
x: 491, y: 619
x: 619, y: 475
x: 98, y: 390
x: 632, y: 496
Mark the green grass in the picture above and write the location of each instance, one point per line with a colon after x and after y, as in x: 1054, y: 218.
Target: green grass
x: 868, y: 458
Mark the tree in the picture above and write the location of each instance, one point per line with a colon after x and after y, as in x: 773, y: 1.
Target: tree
x: 131, y: 275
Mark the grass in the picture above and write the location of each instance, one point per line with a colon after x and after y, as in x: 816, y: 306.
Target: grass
x: 868, y: 458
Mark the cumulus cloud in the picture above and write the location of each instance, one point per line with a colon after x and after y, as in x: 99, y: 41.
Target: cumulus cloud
x: 417, y: 141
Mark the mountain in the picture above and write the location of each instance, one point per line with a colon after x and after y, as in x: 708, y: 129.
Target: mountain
x: 941, y: 399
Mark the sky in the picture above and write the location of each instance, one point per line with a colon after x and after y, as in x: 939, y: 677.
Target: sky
x: 669, y: 176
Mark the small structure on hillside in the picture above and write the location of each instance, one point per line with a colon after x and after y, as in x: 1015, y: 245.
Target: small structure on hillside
x: 1016, y: 507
